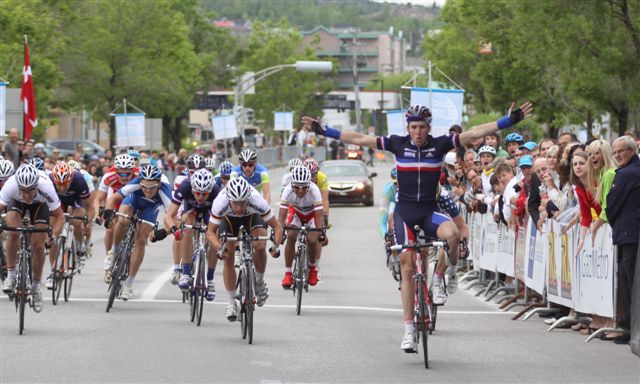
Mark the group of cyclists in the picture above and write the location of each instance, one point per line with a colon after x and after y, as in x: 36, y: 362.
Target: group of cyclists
x: 227, y: 198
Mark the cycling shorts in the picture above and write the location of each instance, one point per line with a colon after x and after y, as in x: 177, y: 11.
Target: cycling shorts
x: 231, y: 224
x: 37, y: 212
x: 297, y: 219
x: 74, y: 206
x: 196, y: 212
x: 409, y: 214
x: 147, y: 210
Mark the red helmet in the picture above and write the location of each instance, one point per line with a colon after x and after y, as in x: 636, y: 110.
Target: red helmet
x: 62, y: 173
x: 311, y: 165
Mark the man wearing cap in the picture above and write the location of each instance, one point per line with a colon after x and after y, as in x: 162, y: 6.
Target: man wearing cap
x: 528, y: 147
x: 525, y: 164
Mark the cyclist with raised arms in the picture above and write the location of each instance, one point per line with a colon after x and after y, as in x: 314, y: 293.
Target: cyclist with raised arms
x: 29, y: 192
x: 239, y: 204
x: 145, y: 195
x: 304, y: 198
x: 419, y: 158
x: 124, y: 171
x: 256, y: 174
x: 196, y: 196
x: 224, y: 174
x: 73, y: 192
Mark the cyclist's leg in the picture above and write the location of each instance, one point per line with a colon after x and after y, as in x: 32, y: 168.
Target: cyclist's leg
x: 405, y: 235
x: 147, y: 212
x: 259, y: 228
x: 229, y: 226
x: 78, y: 226
x: 441, y: 226
x: 120, y: 225
x: 53, y: 252
x: 40, y: 218
x: 13, y: 219
x: 176, y: 250
x: 186, y: 245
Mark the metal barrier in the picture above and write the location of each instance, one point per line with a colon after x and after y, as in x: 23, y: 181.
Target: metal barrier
x: 280, y: 155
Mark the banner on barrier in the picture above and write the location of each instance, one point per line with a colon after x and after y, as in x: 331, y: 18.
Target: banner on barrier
x: 535, y: 261
x: 488, y: 254
x: 521, y: 245
x: 560, y: 267
x: 594, y: 270
x: 505, y: 261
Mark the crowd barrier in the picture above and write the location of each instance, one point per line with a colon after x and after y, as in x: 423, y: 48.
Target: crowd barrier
x: 280, y: 155
x: 544, y: 264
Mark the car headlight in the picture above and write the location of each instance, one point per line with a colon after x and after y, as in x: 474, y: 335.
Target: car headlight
x: 360, y: 185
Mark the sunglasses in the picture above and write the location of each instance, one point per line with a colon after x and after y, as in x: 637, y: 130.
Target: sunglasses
x: 149, y: 187
x: 200, y: 194
x: 28, y: 191
x: 225, y: 177
x: 125, y: 174
x: 300, y: 188
x: 247, y: 165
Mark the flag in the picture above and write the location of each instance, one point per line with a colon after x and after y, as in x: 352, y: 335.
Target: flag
x: 27, y: 96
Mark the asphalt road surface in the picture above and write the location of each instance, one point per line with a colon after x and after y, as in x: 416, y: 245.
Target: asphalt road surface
x: 349, y: 330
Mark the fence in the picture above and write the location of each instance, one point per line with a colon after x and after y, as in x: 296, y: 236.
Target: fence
x: 545, y: 268
x: 280, y: 155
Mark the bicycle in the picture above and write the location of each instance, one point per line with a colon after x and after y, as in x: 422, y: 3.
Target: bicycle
x: 246, y: 281
x: 393, y: 262
x: 120, y: 266
x: 22, y: 292
x: 301, y: 263
x: 423, y: 304
x: 198, y: 289
x: 65, y: 264
x: 3, y: 258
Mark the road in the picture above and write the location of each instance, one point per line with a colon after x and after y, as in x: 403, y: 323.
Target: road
x: 349, y: 330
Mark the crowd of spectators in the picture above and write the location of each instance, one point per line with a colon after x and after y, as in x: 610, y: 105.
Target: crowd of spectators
x: 586, y: 184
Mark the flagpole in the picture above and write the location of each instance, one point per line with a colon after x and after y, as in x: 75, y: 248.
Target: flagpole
x: 24, y: 116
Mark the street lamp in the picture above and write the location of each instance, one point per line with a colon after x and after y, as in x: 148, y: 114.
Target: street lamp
x: 381, y: 81
x: 243, y: 85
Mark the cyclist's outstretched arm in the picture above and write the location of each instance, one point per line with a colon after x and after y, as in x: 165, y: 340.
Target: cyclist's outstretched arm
x: 266, y: 192
x: 114, y: 200
x: 282, y: 214
x: 513, y: 117
x: 346, y: 137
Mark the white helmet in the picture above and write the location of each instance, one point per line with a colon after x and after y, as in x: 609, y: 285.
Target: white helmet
x: 6, y: 169
x: 124, y: 161
x: 248, y: 156
x: 295, y: 162
x: 487, y: 149
x: 300, y: 176
x: 238, y: 190
x: 210, y: 163
x: 450, y: 158
x: 27, y: 176
x: 202, y: 181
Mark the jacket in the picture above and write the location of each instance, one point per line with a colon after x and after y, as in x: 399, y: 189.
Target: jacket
x: 623, y: 203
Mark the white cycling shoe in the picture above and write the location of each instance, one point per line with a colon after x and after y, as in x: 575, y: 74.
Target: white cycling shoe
x: 231, y: 313
x: 451, y: 277
x: 439, y: 293
x: 408, y: 342
x: 127, y: 293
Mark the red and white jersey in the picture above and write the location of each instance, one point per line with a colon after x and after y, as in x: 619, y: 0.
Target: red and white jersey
x: 310, y: 202
x: 112, y: 180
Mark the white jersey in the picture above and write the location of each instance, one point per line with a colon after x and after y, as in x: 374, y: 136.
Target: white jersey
x: 310, y: 202
x: 286, y: 180
x: 46, y: 192
x: 178, y: 180
x: 221, y: 207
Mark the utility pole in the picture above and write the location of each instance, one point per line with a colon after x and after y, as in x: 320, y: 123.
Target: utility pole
x: 356, y: 86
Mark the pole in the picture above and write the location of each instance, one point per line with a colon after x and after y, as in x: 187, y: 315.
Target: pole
x: 356, y: 87
x: 430, y: 101
x: 126, y: 123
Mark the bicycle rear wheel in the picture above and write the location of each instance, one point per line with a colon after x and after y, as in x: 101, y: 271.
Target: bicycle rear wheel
x: 57, y: 273
x: 201, y: 286
x: 70, y: 268
x: 298, y: 283
x: 423, y: 319
x: 21, y: 295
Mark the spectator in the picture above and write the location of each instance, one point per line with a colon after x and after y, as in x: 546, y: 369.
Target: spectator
x: 507, y: 178
x: 623, y: 212
x: 545, y: 144
x: 602, y: 170
x: 487, y: 156
x: 474, y: 197
x: 567, y: 137
x: 12, y: 149
x: 21, y: 150
x: 27, y: 153
x: 527, y: 148
x: 524, y: 185
x: 538, y: 195
x: 38, y: 150
x: 493, y: 140
x: 513, y: 141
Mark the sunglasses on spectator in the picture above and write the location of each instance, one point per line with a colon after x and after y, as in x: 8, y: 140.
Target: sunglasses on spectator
x: 248, y: 165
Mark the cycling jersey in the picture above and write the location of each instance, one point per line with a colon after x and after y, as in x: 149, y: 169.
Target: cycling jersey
x: 46, y: 192
x: 78, y: 191
x: 184, y: 175
x: 111, y: 180
x: 259, y: 177
x: 88, y: 179
x: 387, y: 206
x: 418, y: 168
x: 148, y: 208
x: 221, y: 207
x: 322, y: 181
x: 305, y: 205
x: 184, y: 195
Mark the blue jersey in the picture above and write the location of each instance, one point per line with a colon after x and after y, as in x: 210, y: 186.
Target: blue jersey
x: 184, y: 194
x: 133, y: 191
x: 218, y: 181
x: 260, y: 176
x: 78, y: 190
x: 418, y: 168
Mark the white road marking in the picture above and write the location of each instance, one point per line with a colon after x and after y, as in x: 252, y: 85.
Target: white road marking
x: 284, y: 306
x: 155, y: 286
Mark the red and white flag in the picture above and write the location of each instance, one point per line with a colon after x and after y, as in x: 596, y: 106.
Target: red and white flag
x: 27, y: 96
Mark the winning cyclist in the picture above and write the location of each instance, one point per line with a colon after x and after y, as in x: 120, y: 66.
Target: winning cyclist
x: 419, y: 158
x: 256, y: 174
x: 196, y: 196
x: 242, y: 205
x: 29, y: 192
x: 145, y: 194
x: 224, y: 174
x: 304, y: 198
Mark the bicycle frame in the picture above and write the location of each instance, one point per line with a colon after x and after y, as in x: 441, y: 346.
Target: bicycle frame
x: 199, y: 284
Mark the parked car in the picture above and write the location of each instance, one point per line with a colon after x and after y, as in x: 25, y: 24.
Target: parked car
x: 68, y: 147
x: 349, y: 181
x: 353, y: 152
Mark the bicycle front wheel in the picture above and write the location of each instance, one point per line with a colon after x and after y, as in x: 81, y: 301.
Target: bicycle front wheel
x: 298, y: 283
x: 250, y: 303
x: 201, y: 286
x: 21, y: 295
x: 117, y: 270
x: 423, y: 319
x: 70, y: 268
x: 433, y: 315
x: 241, y: 288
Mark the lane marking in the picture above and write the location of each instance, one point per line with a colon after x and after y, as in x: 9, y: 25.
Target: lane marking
x: 286, y: 306
x: 157, y: 283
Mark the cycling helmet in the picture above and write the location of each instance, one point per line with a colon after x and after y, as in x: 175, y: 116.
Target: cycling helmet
x: 225, y: 168
x: 124, y: 161
x: 62, y: 173
x: 6, y: 169
x: 248, y: 156
x: 300, y: 176
x: 146, y: 160
x: 195, y: 161
x: 487, y: 149
x: 133, y: 153
x: 312, y: 165
x: 394, y: 174
x: 210, y: 163
x: 418, y: 113
x: 202, y: 181
x: 238, y: 190
x: 74, y: 164
x: 38, y: 163
x: 294, y: 163
x: 150, y: 172
x: 514, y: 138
x: 27, y: 176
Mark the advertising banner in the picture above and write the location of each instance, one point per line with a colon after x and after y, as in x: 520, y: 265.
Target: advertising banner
x: 396, y: 124
x: 130, y: 130
x: 594, y: 272
x: 224, y: 127
x: 446, y: 107
x: 283, y: 121
x: 505, y: 259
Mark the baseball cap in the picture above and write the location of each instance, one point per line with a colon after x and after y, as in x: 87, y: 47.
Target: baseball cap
x: 525, y: 161
x: 529, y: 145
x: 450, y: 158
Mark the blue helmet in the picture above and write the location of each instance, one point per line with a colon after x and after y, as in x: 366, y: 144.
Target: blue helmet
x: 225, y: 168
x: 514, y: 138
x: 38, y: 163
x: 134, y: 153
x: 150, y: 172
x: 394, y: 174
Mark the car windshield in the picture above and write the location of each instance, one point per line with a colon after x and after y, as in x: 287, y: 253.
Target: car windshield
x: 344, y: 170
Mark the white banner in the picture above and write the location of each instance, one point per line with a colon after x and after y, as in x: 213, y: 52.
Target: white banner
x: 130, y: 130
x: 488, y: 254
x: 224, y: 127
x: 478, y: 234
x: 505, y: 260
x: 396, y: 124
x: 283, y: 121
x: 535, y: 266
x: 560, y: 267
x: 594, y: 270
x: 446, y: 107
x: 3, y: 107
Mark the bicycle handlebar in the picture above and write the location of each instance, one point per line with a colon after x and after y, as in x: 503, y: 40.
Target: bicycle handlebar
x: 69, y: 217
x: 197, y: 227
x: 136, y: 219
x: 416, y: 246
x: 306, y: 229
x: 30, y: 229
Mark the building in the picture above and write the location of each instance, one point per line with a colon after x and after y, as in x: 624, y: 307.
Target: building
x: 374, y: 52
